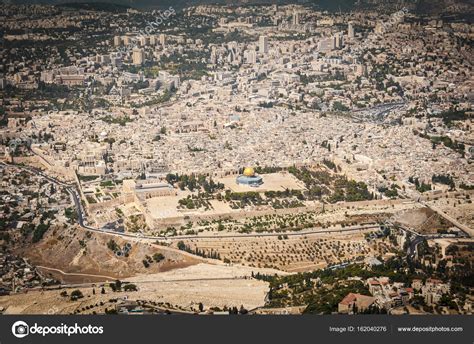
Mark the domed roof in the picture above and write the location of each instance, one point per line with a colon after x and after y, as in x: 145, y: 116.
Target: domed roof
x: 249, y: 172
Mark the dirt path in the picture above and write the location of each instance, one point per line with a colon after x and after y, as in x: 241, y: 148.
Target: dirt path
x: 75, y: 273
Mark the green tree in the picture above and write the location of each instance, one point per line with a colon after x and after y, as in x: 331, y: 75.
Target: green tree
x: 76, y: 294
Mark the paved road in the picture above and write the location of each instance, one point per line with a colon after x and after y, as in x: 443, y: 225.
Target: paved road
x: 411, y: 251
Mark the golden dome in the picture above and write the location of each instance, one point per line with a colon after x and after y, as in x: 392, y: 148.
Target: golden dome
x: 249, y: 172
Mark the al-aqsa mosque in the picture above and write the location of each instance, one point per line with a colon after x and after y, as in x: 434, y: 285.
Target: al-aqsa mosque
x: 248, y: 177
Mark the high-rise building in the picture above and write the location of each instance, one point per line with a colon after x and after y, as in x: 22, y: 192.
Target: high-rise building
x: 296, y: 18
x: 263, y: 44
x: 327, y: 44
x: 213, y: 58
x: 138, y: 56
x: 250, y: 56
x: 127, y: 40
x: 350, y: 31
x: 143, y: 40
x: 117, y: 41
x: 338, y: 41
x: 162, y: 39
